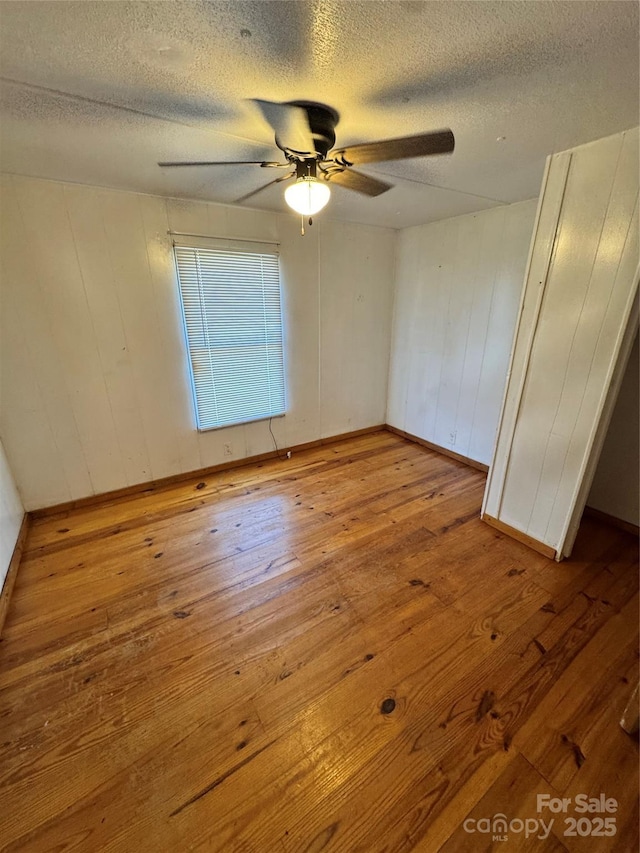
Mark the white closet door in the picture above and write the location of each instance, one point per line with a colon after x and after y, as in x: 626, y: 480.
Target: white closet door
x: 578, y: 297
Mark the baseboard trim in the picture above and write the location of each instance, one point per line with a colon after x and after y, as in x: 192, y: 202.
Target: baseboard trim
x: 620, y: 523
x: 12, y: 572
x: 518, y: 535
x: 480, y: 466
x: 173, y: 479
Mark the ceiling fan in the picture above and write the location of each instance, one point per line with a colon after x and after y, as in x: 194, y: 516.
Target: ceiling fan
x: 305, y: 133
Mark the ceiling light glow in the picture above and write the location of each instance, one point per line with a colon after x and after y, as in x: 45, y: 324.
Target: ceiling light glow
x: 308, y: 195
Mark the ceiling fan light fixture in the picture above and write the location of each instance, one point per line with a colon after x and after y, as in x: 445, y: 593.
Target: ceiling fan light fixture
x: 308, y: 195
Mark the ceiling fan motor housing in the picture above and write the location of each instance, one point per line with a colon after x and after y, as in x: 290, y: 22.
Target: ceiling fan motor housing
x: 322, y: 123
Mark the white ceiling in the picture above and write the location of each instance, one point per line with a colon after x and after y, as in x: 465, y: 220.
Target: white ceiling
x: 99, y: 92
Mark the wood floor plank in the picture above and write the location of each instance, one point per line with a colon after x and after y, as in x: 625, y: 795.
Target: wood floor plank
x: 447, y: 734
x: 330, y: 653
x: 451, y: 817
x: 420, y: 742
x: 514, y: 797
x: 557, y: 737
x: 58, y: 531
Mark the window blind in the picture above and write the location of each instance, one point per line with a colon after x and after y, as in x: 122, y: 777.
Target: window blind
x: 233, y: 321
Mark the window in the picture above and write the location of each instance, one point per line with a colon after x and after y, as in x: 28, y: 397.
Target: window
x: 233, y: 321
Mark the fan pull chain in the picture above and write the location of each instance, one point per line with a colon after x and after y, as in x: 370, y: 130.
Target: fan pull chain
x: 302, y: 231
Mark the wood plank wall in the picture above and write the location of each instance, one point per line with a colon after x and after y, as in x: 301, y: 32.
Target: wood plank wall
x: 458, y: 286
x: 11, y: 515
x: 95, y: 394
x: 614, y: 490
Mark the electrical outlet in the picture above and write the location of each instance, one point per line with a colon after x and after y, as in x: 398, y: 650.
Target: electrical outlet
x: 452, y: 437
x: 227, y: 449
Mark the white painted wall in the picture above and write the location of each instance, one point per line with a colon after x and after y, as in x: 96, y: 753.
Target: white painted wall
x: 11, y: 514
x: 578, y: 298
x: 615, y: 486
x: 458, y: 286
x: 95, y: 394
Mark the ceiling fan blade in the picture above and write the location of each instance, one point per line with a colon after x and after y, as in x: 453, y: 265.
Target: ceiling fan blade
x: 264, y: 187
x: 440, y: 142
x: 352, y: 180
x: 291, y: 124
x: 264, y: 164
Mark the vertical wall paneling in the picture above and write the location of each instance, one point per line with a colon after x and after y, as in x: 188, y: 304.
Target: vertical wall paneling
x: 124, y: 229
x: 125, y: 454
x: 458, y: 286
x: 300, y: 270
x: 95, y: 391
x: 355, y: 325
x: 11, y: 514
x: 21, y: 393
x: 623, y: 503
x: 36, y: 400
x: 614, y: 489
x: 462, y: 290
x: 563, y: 368
x: 484, y: 279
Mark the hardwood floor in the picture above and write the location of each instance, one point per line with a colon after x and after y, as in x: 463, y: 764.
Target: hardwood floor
x: 328, y: 653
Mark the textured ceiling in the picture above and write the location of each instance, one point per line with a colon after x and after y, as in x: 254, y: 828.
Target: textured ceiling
x: 98, y: 92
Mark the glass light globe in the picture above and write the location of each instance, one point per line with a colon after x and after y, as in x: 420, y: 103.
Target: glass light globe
x: 307, y: 196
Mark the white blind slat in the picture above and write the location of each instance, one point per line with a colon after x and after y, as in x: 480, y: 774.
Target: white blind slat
x: 233, y: 320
